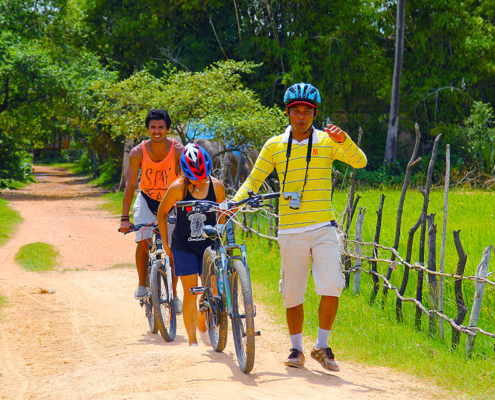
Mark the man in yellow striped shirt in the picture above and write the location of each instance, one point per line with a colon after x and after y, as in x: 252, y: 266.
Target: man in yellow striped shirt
x: 302, y: 157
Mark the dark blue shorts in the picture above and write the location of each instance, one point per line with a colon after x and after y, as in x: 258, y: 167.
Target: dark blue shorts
x: 187, y: 263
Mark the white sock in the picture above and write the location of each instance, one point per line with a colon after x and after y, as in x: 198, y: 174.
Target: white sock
x: 322, y: 340
x: 296, y: 341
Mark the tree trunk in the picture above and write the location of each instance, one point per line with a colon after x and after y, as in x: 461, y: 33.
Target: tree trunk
x: 393, y: 125
x: 129, y: 142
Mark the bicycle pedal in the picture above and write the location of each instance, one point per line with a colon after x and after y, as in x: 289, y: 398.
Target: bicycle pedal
x: 197, y: 290
x: 257, y: 333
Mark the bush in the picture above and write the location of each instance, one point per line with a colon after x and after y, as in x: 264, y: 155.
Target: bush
x: 15, y: 162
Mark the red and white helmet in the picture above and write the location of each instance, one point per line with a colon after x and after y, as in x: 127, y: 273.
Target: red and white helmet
x: 195, y: 162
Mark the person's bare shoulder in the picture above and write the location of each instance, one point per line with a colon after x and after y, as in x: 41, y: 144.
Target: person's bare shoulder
x: 217, y: 183
x: 136, y: 154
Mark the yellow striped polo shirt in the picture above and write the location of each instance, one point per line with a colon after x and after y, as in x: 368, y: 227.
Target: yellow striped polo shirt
x: 316, y: 206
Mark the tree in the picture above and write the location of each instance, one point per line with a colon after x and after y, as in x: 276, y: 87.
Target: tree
x: 393, y: 125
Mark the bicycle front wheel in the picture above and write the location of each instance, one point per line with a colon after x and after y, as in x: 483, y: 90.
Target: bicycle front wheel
x: 243, y: 316
x: 214, y: 300
x: 163, y: 305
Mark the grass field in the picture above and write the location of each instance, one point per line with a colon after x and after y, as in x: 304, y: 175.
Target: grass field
x: 37, y: 257
x: 370, y: 333
x: 9, y: 220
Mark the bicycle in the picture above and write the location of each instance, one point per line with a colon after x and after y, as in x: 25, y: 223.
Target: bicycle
x: 159, y: 303
x: 226, y: 290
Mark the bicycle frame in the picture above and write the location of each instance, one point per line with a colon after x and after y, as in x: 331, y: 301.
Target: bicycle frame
x: 156, y: 253
x: 225, y: 258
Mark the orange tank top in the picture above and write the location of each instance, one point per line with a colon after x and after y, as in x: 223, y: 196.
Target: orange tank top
x: 156, y: 177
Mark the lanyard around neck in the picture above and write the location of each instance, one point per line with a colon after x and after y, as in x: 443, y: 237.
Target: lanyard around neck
x: 308, y: 159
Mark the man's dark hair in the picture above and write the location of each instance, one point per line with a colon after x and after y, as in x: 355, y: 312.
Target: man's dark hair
x: 158, y: 115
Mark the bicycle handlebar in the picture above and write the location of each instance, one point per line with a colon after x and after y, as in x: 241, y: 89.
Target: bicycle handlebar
x: 135, y: 228
x: 253, y: 200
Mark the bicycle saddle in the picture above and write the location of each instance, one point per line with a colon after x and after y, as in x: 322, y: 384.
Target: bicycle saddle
x: 211, y: 232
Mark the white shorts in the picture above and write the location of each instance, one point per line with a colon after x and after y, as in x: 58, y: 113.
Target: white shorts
x: 322, y: 245
x: 143, y: 215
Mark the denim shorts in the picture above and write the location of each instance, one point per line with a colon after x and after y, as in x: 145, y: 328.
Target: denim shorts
x: 187, y: 263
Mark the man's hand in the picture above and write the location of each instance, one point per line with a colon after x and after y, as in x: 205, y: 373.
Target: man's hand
x: 335, y: 133
x: 124, y: 226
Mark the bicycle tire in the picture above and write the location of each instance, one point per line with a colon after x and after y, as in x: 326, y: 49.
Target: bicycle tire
x: 163, y: 307
x: 243, y: 316
x: 149, y: 307
x: 216, y: 310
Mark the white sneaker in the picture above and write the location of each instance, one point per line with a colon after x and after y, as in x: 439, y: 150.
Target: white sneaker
x: 205, y: 337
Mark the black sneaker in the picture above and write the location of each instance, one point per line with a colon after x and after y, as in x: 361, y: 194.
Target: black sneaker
x: 296, y: 359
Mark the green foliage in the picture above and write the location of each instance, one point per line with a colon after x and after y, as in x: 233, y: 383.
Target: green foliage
x: 9, y: 221
x: 213, y: 100
x: 480, y: 136
x: 37, y: 257
x: 15, y: 161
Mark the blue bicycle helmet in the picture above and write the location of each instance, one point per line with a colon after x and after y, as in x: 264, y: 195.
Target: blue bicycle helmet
x: 195, y: 162
x: 302, y: 93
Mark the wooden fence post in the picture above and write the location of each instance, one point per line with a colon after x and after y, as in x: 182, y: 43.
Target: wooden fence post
x: 481, y: 272
x: 270, y: 223
x: 444, y: 235
x: 461, y: 307
x: 432, y: 266
x: 258, y: 221
x: 374, y: 268
x: 250, y: 233
x: 407, y: 179
x: 347, y: 259
x: 359, y: 238
x: 421, y: 258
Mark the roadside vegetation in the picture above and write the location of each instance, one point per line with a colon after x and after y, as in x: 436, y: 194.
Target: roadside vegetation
x: 370, y: 333
x: 38, y: 257
x: 9, y: 220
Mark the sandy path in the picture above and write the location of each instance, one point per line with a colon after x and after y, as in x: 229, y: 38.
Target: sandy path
x: 90, y: 340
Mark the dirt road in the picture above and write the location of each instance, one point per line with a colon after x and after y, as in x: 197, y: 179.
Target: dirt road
x: 90, y: 339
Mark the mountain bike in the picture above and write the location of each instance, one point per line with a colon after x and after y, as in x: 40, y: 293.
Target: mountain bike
x: 226, y: 290
x: 159, y: 303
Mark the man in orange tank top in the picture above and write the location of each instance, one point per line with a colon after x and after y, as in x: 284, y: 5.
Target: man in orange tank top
x: 158, y: 160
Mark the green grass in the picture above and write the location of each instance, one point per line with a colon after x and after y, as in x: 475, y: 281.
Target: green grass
x: 37, y: 257
x: 4, y: 301
x: 113, y: 203
x: 369, y: 333
x: 71, y: 166
x: 9, y: 221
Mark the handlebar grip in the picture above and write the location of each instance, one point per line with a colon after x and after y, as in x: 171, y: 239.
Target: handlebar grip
x: 185, y: 203
x: 270, y: 195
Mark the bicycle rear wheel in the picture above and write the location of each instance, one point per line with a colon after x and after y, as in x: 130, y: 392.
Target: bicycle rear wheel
x: 149, y: 305
x: 243, y: 316
x: 216, y: 309
x: 163, y: 306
